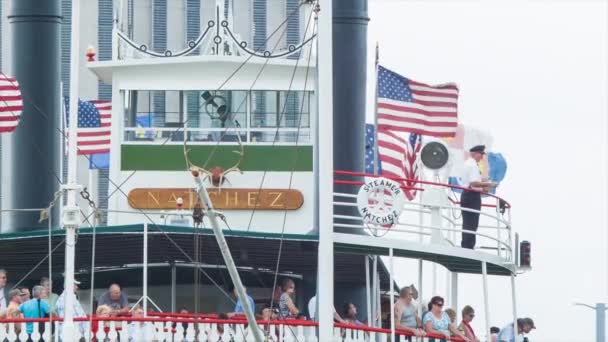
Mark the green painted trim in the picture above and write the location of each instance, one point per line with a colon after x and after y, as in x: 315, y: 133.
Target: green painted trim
x: 257, y: 158
x: 155, y: 229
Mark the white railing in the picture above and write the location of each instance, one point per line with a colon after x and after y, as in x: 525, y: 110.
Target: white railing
x: 494, y: 234
x: 192, y: 329
x: 202, y: 136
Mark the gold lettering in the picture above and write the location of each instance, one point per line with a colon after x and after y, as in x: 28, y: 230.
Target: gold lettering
x: 274, y: 203
x: 172, y: 198
x: 252, y: 199
x: 156, y: 199
x: 266, y: 199
x: 236, y: 199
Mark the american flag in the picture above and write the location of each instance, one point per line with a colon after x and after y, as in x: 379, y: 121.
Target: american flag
x: 405, y: 105
x: 11, y: 103
x: 398, y: 158
x: 94, y: 119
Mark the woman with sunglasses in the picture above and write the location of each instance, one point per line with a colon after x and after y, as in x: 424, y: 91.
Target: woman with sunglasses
x: 437, y: 322
x: 467, y: 316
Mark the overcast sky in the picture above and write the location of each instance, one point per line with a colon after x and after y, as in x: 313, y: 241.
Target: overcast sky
x: 534, y: 74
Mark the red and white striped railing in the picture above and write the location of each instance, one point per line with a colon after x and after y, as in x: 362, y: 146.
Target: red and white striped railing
x: 195, y: 328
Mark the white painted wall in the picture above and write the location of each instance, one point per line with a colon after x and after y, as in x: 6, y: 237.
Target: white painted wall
x: 275, y: 16
x: 242, y: 19
x: 142, y: 21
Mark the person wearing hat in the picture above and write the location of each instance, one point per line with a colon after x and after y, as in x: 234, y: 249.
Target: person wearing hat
x: 524, y: 326
x: 78, y: 311
x: 471, y: 197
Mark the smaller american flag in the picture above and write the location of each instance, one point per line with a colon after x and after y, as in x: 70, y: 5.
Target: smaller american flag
x: 94, y: 121
x: 370, y: 150
x: 398, y: 157
x: 11, y: 104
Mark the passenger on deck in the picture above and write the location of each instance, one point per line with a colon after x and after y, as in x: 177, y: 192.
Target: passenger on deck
x: 25, y: 293
x: 16, y: 297
x: 350, y: 314
x: 141, y: 331
x: 35, y: 308
x: 116, y: 300
x: 4, y: 298
x: 312, y: 311
x: 51, y: 299
x: 103, y: 311
x: 12, y: 311
x: 238, y: 308
x: 507, y: 333
x: 287, y: 308
x: 437, y: 321
x: 452, y: 315
x: 406, y: 313
x: 266, y: 314
x: 494, y: 333
x: 76, y: 307
x: 467, y: 317
x: 471, y: 199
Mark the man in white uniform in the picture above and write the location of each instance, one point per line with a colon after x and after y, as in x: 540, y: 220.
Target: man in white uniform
x: 471, y: 199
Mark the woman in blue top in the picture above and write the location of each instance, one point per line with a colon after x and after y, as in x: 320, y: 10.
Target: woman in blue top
x: 437, y: 322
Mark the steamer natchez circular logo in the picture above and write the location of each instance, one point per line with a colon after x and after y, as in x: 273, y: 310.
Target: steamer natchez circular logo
x: 380, y: 201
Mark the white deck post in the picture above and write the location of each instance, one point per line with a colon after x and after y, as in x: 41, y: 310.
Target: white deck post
x: 390, y: 293
x: 379, y: 299
x: 326, y: 169
x: 454, y: 290
x: 513, y: 297
x: 375, y: 291
x: 434, y: 279
x: 420, y: 288
x: 367, y: 291
x: 484, y: 271
x: 145, y: 280
x: 71, y: 213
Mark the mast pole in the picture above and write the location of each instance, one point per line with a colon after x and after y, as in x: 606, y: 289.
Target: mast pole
x: 71, y: 213
x: 223, y: 246
x: 376, y: 149
x: 325, y: 90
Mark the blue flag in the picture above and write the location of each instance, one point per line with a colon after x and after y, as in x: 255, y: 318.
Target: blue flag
x: 99, y: 161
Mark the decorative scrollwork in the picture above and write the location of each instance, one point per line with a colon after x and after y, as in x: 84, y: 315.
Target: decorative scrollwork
x: 217, y: 40
x: 267, y: 54
x: 192, y: 45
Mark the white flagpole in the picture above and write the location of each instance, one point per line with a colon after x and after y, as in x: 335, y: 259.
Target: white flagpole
x: 376, y: 151
x: 63, y: 141
x: 71, y: 214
